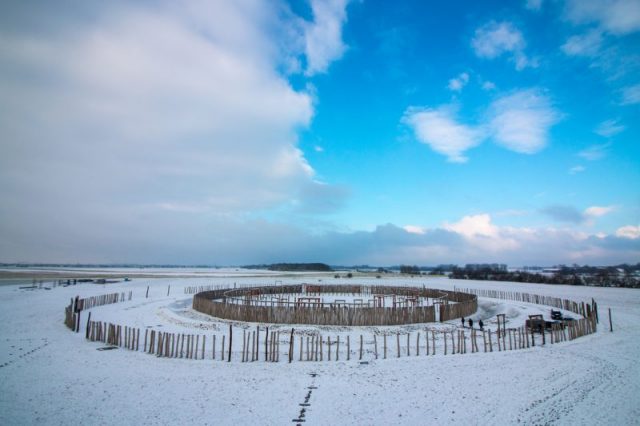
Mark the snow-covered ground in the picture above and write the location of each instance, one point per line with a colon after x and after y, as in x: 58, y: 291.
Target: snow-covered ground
x: 53, y: 376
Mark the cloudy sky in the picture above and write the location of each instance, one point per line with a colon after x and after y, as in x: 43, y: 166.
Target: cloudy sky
x: 235, y: 132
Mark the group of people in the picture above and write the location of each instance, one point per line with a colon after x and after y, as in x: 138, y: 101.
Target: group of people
x: 470, y: 321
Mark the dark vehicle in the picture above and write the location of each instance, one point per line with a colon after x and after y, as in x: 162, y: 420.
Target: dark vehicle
x: 536, y: 323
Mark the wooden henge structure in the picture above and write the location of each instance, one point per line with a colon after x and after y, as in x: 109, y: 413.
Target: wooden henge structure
x: 270, y: 342
x: 245, y: 305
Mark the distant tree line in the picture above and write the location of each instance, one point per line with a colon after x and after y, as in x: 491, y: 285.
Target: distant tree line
x: 610, y: 276
x: 293, y: 267
x: 407, y: 269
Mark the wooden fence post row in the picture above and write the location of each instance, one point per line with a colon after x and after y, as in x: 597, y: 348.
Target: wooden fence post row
x: 312, y: 347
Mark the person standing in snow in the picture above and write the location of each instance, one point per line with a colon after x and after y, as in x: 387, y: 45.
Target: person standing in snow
x: 462, y: 320
x: 481, y: 324
x: 470, y: 323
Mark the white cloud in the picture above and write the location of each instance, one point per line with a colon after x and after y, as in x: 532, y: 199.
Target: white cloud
x: 631, y: 95
x: 318, y: 148
x: 474, y: 225
x: 609, y: 128
x: 598, y: 211
x: 576, y: 169
x: 323, y: 37
x: 533, y: 4
x: 521, y: 121
x: 150, y: 114
x: 458, y: 83
x: 629, y: 231
x: 488, y: 85
x: 615, y: 16
x: 413, y: 229
x: 497, y: 38
x: 439, y: 129
x: 494, y: 39
x: 587, y: 44
x: 166, y: 105
x: 564, y: 213
x: 479, y: 231
x: 595, y: 152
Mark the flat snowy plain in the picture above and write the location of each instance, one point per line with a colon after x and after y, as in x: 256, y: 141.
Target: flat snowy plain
x: 49, y: 375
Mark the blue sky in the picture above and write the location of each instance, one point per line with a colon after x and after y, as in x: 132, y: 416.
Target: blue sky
x: 336, y: 131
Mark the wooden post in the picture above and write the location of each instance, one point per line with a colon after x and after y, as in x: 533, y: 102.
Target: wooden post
x: 426, y: 342
x: 408, y: 343
x: 221, y: 348
x: 533, y: 337
x: 87, y: 328
x: 254, y: 349
x: 445, y: 342
x: 360, y: 347
x: 307, y: 348
x: 610, y: 322
x: 291, y: 348
x: 213, y: 348
x: 348, y: 348
x: 266, y: 344
x: 418, y: 344
x: 385, y: 346
x: 490, y: 344
x: 247, y: 345
x: 375, y: 346
x: 168, y: 289
x: 433, y: 341
x: 244, y: 340
x: 230, y: 341
x: 147, y: 295
x: 338, y: 348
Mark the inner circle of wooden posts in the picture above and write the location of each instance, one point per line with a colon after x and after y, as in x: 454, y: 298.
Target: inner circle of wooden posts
x: 245, y: 305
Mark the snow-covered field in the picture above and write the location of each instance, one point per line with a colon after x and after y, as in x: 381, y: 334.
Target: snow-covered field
x: 53, y: 376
